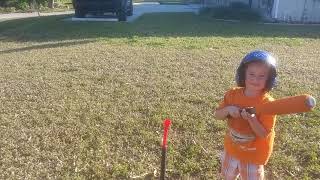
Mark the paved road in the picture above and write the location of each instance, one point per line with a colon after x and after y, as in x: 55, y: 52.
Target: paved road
x: 139, y: 9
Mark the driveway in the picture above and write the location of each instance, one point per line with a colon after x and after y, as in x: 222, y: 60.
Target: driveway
x: 4, y: 17
x: 138, y: 10
x: 142, y: 8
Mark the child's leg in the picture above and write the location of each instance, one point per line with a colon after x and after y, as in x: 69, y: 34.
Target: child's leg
x: 229, y: 167
x: 250, y: 171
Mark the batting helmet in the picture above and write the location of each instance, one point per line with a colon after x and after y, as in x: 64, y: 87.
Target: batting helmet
x: 258, y: 56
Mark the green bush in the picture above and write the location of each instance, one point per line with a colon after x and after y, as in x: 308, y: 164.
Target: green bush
x: 22, y: 4
x: 27, y: 4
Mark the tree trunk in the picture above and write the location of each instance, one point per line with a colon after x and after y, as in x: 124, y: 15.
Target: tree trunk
x: 51, y: 4
x: 250, y: 3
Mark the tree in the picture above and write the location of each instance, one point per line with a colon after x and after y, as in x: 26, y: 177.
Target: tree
x: 51, y: 4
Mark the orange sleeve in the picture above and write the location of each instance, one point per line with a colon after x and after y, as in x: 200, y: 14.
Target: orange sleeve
x: 225, y: 100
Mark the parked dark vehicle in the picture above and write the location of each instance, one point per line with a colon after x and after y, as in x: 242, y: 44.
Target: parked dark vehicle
x: 122, y: 8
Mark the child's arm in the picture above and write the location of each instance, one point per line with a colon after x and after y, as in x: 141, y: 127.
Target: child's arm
x: 222, y: 113
x: 254, y: 123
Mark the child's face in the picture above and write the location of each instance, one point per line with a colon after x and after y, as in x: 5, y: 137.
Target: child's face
x: 256, y: 76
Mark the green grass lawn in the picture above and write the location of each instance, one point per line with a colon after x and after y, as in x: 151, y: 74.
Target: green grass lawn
x: 86, y: 100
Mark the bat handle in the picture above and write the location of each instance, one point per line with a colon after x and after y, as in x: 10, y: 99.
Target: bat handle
x: 250, y: 110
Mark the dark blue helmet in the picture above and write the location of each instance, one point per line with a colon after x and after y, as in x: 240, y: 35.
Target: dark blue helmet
x: 258, y: 56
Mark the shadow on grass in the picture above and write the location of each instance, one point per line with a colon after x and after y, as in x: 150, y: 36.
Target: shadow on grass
x: 45, y: 46
x: 57, y: 28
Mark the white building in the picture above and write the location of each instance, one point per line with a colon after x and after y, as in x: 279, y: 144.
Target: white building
x: 306, y: 11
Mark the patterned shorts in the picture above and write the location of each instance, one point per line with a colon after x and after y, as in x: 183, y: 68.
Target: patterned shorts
x: 232, y: 168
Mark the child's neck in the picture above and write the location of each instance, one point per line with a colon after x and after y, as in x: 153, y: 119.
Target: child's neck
x: 250, y: 93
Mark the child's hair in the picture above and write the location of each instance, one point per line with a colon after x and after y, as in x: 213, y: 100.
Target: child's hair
x: 262, y: 57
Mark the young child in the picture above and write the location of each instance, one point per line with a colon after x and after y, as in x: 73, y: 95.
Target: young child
x: 249, y: 139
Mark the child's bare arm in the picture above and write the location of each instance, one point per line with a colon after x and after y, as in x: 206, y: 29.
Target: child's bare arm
x: 255, y: 125
x: 228, y: 110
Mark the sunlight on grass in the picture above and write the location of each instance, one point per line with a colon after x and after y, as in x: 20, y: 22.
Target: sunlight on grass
x: 87, y: 100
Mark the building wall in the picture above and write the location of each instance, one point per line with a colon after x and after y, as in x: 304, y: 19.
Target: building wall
x: 307, y: 11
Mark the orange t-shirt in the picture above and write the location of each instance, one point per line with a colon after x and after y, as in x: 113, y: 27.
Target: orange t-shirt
x: 258, y: 150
